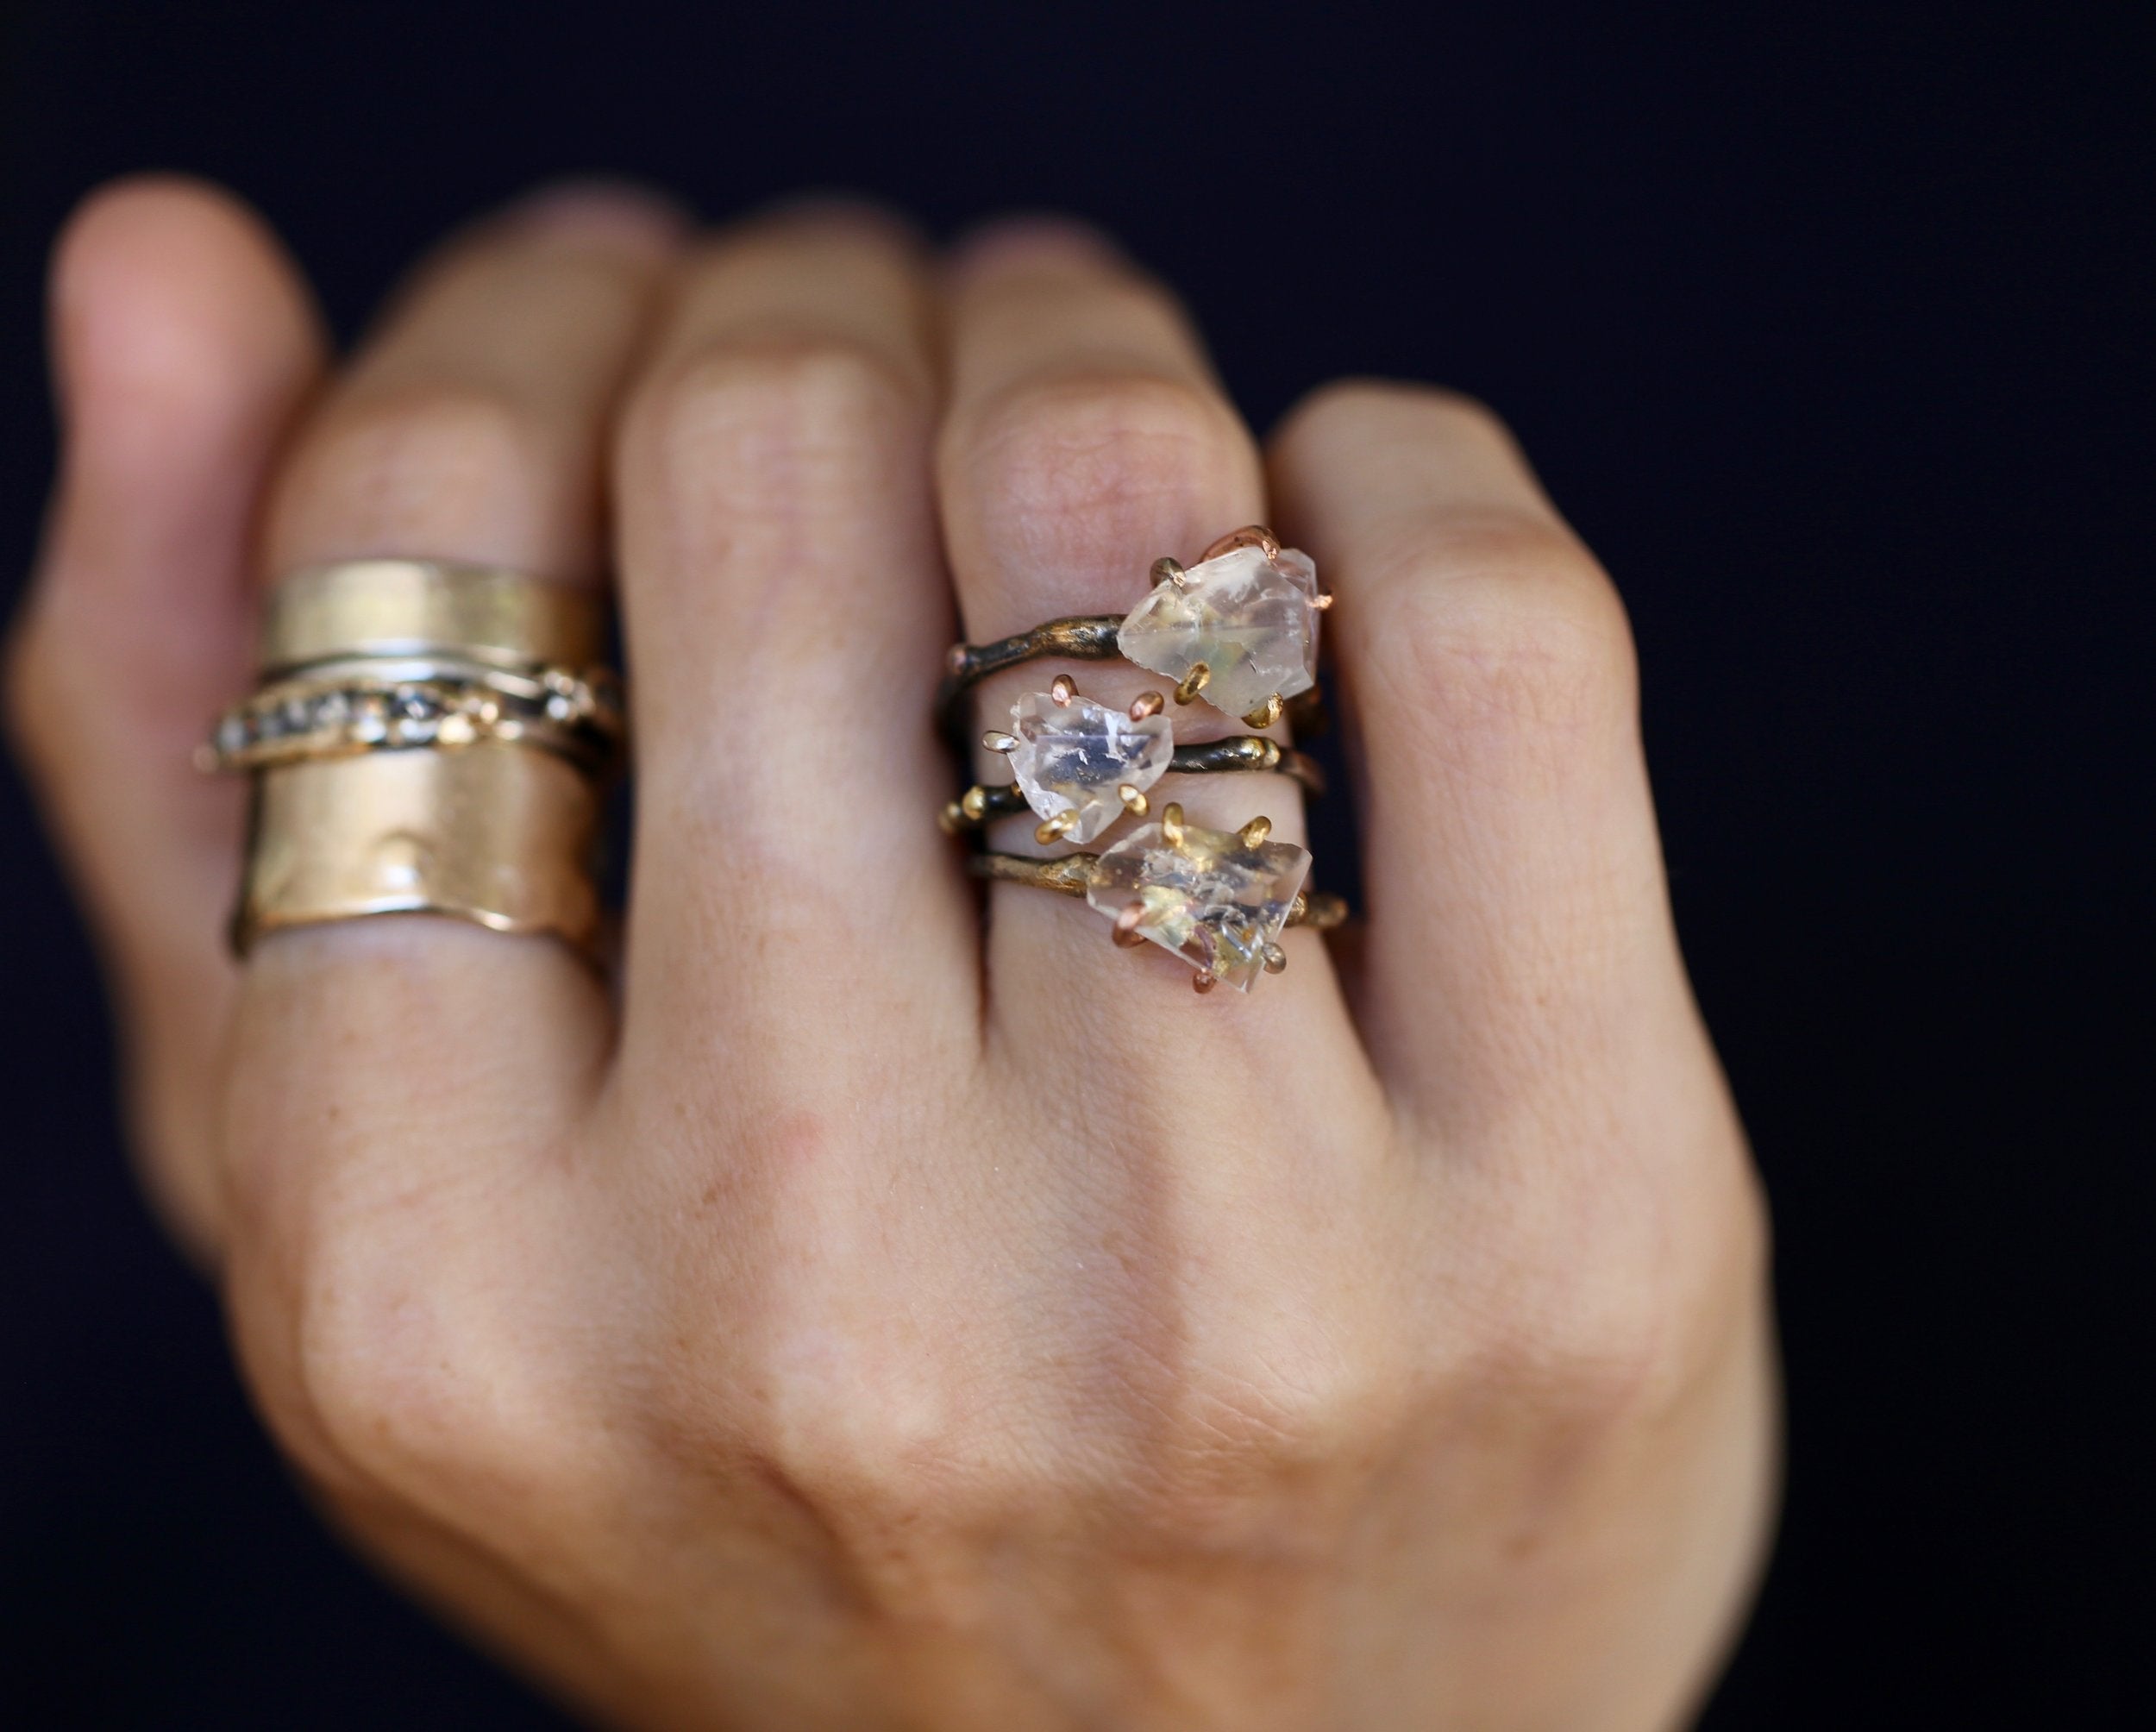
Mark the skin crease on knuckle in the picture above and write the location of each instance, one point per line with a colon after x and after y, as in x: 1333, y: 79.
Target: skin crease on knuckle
x: 957, y: 1406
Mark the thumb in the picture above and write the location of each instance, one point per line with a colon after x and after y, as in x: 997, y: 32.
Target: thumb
x: 182, y: 344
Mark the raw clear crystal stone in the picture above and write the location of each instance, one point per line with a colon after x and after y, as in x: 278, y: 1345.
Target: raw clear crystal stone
x: 1215, y: 901
x: 1075, y: 758
x: 1253, y: 621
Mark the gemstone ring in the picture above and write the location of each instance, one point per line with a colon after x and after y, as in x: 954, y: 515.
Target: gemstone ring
x: 1239, y: 628
x: 1218, y: 898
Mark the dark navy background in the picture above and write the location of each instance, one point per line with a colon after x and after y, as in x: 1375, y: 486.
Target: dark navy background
x: 1830, y: 330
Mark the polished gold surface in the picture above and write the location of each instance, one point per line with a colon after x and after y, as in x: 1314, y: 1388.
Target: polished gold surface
x: 496, y: 834
x: 405, y: 606
x: 428, y: 738
x: 1250, y: 535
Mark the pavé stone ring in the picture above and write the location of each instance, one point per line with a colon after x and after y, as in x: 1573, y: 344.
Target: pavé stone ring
x: 1239, y: 628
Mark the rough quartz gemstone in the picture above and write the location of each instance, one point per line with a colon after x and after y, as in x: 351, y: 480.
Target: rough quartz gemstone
x: 1076, y: 757
x: 1214, y: 900
x: 1253, y: 621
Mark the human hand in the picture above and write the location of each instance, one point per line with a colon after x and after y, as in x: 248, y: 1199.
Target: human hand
x: 851, y: 1315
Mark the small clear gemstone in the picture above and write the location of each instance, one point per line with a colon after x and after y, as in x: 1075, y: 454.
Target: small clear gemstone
x: 1076, y: 757
x: 1215, y: 901
x: 1253, y: 621
x: 233, y: 734
x: 332, y: 710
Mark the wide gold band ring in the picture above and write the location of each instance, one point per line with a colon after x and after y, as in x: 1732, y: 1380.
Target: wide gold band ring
x: 427, y: 738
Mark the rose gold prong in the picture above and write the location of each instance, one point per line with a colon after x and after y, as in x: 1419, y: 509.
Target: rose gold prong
x: 1171, y: 824
x: 951, y: 819
x: 1061, y: 689
x: 955, y: 659
x: 1146, y: 704
x: 1275, y: 958
x: 1322, y: 600
x: 1134, y: 802
x: 1250, y: 535
x: 1127, y: 920
x: 1055, y: 828
x: 1169, y: 569
x: 1192, y: 682
x: 1204, y: 980
x: 1254, y: 833
x: 997, y: 741
x: 1265, y: 714
x: 973, y: 805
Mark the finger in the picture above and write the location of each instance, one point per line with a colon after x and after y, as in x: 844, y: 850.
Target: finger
x: 1519, y: 922
x: 469, y: 428
x: 1086, y: 437
x: 183, y: 341
x: 785, y: 609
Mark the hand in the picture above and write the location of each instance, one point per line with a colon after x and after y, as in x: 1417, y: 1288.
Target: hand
x: 858, y: 1316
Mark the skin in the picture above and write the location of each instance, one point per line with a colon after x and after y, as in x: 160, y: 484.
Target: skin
x: 862, y: 1313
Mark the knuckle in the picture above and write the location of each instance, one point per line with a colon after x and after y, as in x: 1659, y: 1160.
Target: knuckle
x: 1497, y: 627
x: 1106, y: 456
x: 413, y: 1386
x: 1238, y: 1433
x: 1582, y: 1353
x: 777, y: 416
x: 877, y: 1444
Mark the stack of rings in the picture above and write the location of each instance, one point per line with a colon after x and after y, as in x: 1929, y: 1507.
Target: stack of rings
x: 427, y: 738
x: 1239, y: 629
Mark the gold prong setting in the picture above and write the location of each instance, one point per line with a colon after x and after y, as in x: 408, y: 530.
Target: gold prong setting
x: 1081, y: 765
x: 1218, y: 899
x: 1240, y: 627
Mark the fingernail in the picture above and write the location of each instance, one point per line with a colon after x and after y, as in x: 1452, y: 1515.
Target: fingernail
x: 615, y: 214
x: 1034, y: 241
x: 837, y: 208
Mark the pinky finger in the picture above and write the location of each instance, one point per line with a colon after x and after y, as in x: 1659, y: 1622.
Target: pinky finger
x: 183, y: 342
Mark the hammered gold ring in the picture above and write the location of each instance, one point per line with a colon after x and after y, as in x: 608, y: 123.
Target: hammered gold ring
x: 427, y: 738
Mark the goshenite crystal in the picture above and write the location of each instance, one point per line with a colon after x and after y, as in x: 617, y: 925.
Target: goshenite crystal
x: 1077, y: 757
x: 1212, y: 899
x: 1253, y: 621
